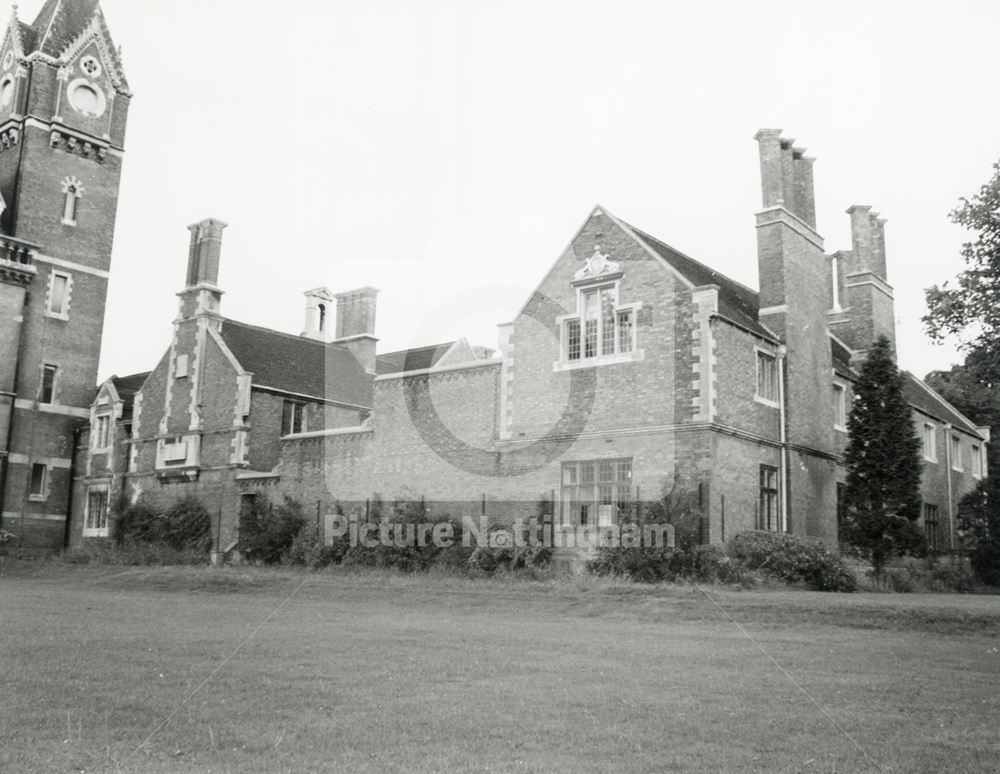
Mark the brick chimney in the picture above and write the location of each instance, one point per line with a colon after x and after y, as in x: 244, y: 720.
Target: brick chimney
x: 867, y: 300
x: 786, y: 176
x: 201, y: 294
x: 794, y: 280
x: 356, y: 324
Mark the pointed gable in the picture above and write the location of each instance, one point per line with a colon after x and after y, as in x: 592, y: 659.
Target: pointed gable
x: 63, y: 26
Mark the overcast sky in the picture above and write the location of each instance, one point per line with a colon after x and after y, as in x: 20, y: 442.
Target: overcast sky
x: 446, y: 152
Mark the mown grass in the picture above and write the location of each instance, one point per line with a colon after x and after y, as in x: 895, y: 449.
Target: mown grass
x: 377, y: 672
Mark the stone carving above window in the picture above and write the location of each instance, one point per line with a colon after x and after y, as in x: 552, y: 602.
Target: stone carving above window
x: 597, y: 265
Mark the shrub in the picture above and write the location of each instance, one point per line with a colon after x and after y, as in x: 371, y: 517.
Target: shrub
x: 267, y: 533
x: 793, y: 559
x: 131, y: 554
x: 185, y: 526
x: 505, y: 551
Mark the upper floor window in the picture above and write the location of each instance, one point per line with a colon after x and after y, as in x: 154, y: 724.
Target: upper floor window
x: 929, y: 439
x: 181, y: 367
x: 767, y: 377
x: 978, y: 468
x: 39, y: 484
x: 602, y: 329
x: 293, y: 417
x: 839, y: 407
x: 102, y: 432
x: 95, y: 522
x: 175, y: 451
x: 72, y: 193
x: 60, y: 284
x: 956, y: 453
x: 47, y: 392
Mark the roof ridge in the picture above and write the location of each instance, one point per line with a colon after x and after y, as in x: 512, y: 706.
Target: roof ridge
x: 702, y: 264
x: 414, y: 349
x: 288, y: 335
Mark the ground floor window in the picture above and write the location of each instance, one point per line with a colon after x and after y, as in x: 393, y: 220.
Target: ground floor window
x: 931, y: 527
x: 767, y: 510
x: 594, y: 492
x: 96, y: 518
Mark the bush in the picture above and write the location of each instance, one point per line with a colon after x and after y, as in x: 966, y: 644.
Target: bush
x: 131, y: 554
x: 185, y: 526
x: 308, y: 548
x: 793, y: 559
x: 267, y: 533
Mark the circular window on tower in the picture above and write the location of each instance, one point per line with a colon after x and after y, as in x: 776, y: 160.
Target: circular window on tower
x: 90, y: 66
x: 6, y: 91
x: 8, y: 60
x: 86, y: 98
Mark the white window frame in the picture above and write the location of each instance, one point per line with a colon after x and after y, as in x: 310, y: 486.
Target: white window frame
x: 62, y: 314
x: 181, y: 366
x: 955, y: 452
x: 776, y: 375
x: 41, y: 384
x: 102, y: 443
x: 633, y: 354
x: 297, y: 408
x: 102, y: 529
x: 840, y: 406
x: 928, y: 441
x: 43, y: 495
x: 978, y: 468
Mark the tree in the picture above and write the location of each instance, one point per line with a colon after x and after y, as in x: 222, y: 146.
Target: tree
x: 882, y: 496
x: 971, y: 311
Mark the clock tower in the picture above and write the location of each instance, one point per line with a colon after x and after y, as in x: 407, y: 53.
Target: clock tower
x: 63, y: 108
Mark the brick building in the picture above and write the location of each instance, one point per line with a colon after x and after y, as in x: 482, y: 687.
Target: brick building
x: 63, y: 108
x: 630, y: 367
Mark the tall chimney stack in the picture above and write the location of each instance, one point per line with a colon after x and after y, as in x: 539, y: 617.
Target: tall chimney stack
x: 786, y: 176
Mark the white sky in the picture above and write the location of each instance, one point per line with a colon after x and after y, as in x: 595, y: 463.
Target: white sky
x: 445, y: 152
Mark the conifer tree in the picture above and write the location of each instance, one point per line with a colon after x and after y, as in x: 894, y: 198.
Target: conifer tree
x: 882, y: 497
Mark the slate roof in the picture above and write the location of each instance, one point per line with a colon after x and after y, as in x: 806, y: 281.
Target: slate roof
x: 298, y: 364
x: 411, y: 359
x: 737, y: 302
x: 741, y: 304
x: 923, y: 398
x: 127, y: 387
x: 60, y: 23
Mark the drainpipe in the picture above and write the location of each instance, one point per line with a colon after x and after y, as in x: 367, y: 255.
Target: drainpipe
x: 783, y: 437
x: 947, y: 472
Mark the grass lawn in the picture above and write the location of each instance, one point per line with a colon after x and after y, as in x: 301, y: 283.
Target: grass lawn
x: 374, y: 672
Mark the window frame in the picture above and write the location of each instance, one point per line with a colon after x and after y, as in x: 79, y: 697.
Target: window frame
x: 624, y: 345
x: 840, y: 406
x: 978, y: 461
x: 63, y: 313
x: 586, y: 486
x: 759, y: 355
x: 928, y: 442
x: 101, y: 530
x: 290, y: 411
x: 46, y: 368
x: 42, y: 493
x: 769, y: 495
x: 72, y: 195
x: 955, y: 452
x: 932, y: 528
x: 100, y: 434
